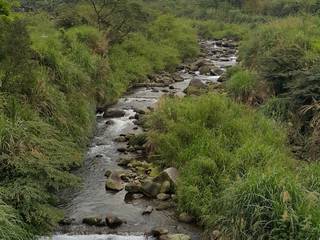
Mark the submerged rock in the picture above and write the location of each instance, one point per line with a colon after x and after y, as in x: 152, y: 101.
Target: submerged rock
x: 92, y: 221
x: 113, y: 221
x: 66, y: 221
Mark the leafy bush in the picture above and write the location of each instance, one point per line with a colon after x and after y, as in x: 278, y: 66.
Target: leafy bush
x: 236, y: 173
x: 242, y: 84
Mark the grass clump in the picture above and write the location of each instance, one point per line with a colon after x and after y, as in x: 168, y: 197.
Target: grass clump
x: 242, y: 84
x: 236, y: 173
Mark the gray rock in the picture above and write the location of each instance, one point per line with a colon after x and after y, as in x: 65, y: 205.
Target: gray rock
x: 186, y: 218
x: 165, y: 206
x: 114, y: 113
x: 114, y: 182
x: 163, y: 196
x: 92, y: 221
x: 169, y: 174
x: 151, y: 189
x: 133, y: 188
x: 108, y: 173
x: 113, y: 221
x: 158, y: 231
x: 165, y: 187
x: 148, y: 210
x: 197, y: 83
x: 204, y: 70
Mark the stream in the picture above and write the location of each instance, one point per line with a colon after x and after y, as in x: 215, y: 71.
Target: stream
x: 93, y: 200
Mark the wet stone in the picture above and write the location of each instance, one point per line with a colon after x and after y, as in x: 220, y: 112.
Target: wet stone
x: 158, y: 231
x: 92, y: 221
x: 148, y: 210
x: 186, y: 218
x: 113, y: 221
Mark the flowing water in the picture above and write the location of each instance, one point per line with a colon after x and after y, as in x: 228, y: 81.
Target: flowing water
x: 92, y: 200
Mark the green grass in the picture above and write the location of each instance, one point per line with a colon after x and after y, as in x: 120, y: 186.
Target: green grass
x: 236, y: 172
x: 242, y: 84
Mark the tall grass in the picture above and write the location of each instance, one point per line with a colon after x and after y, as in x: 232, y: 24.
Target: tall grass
x: 236, y: 172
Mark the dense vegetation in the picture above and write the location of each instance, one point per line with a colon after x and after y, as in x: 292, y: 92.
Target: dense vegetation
x: 55, y: 69
x: 236, y: 172
x: 60, y: 60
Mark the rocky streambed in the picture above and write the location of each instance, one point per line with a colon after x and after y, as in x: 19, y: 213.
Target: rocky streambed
x: 123, y: 196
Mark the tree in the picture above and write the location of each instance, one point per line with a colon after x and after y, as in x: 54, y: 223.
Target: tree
x: 118, y: 17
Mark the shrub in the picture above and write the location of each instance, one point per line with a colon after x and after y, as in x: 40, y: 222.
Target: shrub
x: 236, y: 173
x: 242, y: 84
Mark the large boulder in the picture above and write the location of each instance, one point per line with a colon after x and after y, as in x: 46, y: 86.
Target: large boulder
x: 115, y: 182
x: 170, y: 174
x: 151, y: 189
x: 114, y: 113
x: 205, y: 70
x: 197, y: 83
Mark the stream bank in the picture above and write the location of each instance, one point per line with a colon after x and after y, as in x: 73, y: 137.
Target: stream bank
x: 86, y: 208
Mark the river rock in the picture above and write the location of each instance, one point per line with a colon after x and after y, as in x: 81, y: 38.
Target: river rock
x: 158, y: 231
x: 165, y: 187
x: 204, y: 70
x: 175, y: 237
x: 185, y: 218
x: 114, y: 113
x: 197, y: 83
x: 108, y: 173
x: 165, y: 206
x: 92, y: 221
x: 148, y: 210
x: 133, y: 188
x: 163, y: 196
x: 113, y: 221
x: 113, y: 185
x: 151, y: 189
x: 109, y: 122
x: 114, y: 182
x: 177, y: 78
x: 216, y: 71
x: 66, y: 221
x: 123, y: 162
x: 169, y: 174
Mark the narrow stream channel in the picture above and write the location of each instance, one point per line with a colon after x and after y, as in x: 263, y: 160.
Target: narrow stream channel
x: 92, y: 199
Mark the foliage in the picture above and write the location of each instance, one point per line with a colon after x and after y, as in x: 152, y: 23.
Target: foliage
x: 242, y: 84
x: 236, y: 173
